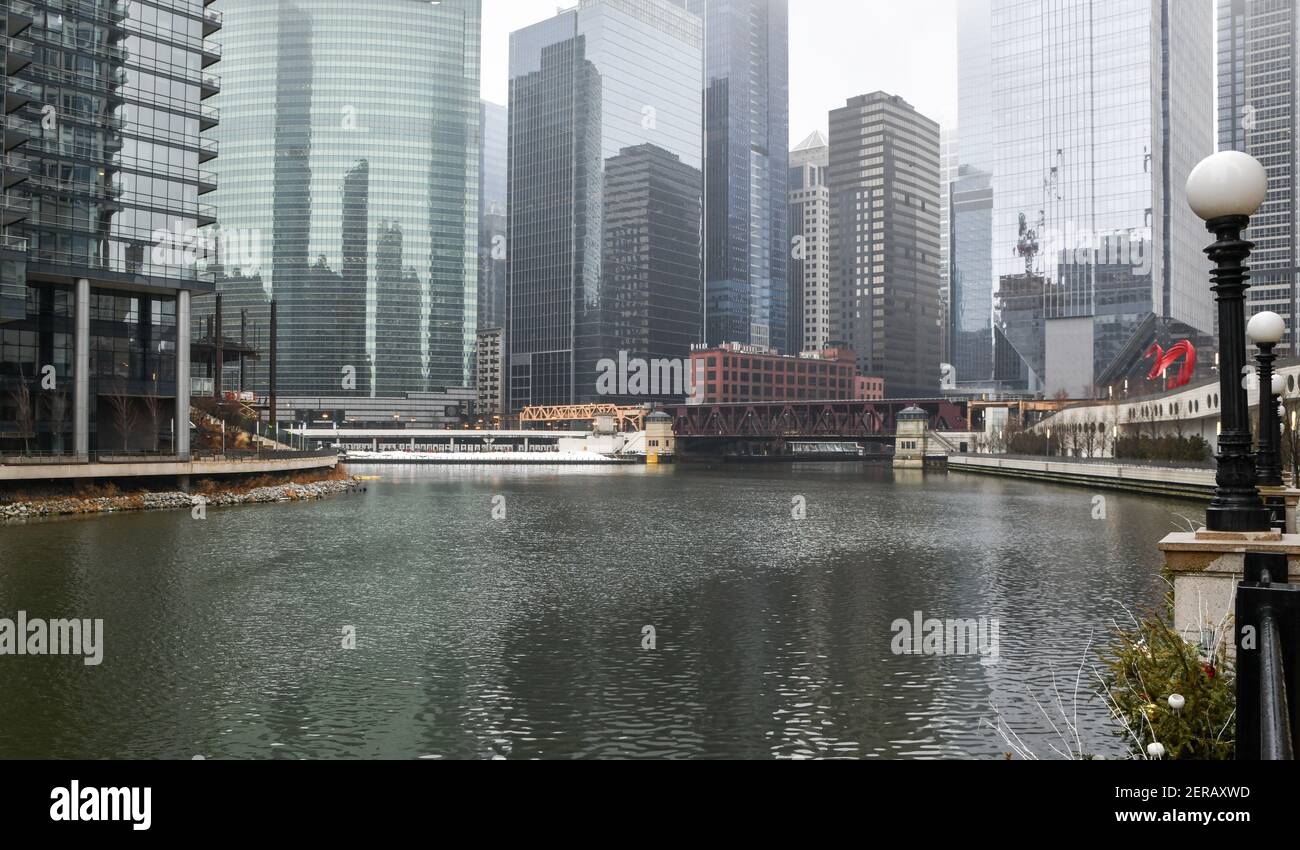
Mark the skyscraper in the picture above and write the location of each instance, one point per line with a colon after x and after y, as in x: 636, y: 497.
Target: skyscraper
x: 605, y: 194
x: 103, y: 142
x: 970, y: 283
x: 747, y: 115
x: 352, y: 125
x: 884, y: 189
x: 493, y: 129
x: 949, y: 161
x: 810, y: 230
x: 1257, y: 114
x: 1093, y: 138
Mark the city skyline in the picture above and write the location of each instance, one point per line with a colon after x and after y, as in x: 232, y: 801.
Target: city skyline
x: 606, y: 186
x: 748, y: 380
x: 922, y: 68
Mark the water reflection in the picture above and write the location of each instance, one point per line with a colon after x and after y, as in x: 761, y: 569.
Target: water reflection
x: 521, y: 637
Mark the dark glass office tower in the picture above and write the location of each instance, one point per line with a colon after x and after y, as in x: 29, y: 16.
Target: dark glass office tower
x: 347, y: 121
x: 884, y: 238
x: 103, y: 178
x: 605, y: 133
x: 650, y: 264
x: 747, y: 115
x: 1257, y: 114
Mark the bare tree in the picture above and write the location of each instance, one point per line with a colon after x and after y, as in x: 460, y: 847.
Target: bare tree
x: 1090, y: 437
x: 24, y: 412
x: 125, y: 413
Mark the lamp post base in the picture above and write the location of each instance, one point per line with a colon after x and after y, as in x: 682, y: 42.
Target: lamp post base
x: 1238, y: 518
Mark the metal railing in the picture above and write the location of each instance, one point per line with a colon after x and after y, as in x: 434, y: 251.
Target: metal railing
x: 128, y: 457
x: 1268, y: 660
x: 1200, y: 465
x: 111, y: 13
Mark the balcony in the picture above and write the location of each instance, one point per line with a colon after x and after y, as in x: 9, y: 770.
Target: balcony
x: 207, y: 215
x: 61, y: 77
x: 45, y: 185
x: 14, y: 244
x: 207, y: 182
x: 113, y: 14
x: 18, y: 54
x: 208, y: 149
x: 13, y: 209
x: 19, y: 15
x: 211, y: 22
x: 114, y: 52
x: 209, y: 85
x: 17, y: 94
x: 211, y: 52
x: 209, y: 117
x: 13, y: 171
x: 17, y: 131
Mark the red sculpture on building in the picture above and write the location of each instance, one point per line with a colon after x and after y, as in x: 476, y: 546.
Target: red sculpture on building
x: 1165, y: 359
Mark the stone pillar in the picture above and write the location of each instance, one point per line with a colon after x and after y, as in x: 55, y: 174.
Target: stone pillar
x: 81, y: 371
x: 183, y: 374
x: 1206, y: 567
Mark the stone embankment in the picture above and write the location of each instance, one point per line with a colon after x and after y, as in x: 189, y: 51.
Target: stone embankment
x: 66, y: 505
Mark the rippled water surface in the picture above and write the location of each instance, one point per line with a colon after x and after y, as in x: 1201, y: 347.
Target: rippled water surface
x: 522, y: 637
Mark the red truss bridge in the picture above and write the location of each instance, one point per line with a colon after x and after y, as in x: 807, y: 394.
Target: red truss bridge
x: 786, y: 420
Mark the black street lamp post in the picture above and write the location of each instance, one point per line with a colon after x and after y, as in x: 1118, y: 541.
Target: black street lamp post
x: 1266, y: 331
x: 1225, y: 190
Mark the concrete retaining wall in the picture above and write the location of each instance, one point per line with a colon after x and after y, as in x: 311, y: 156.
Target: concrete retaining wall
x: 195, y: 469
x: 1182, y: 482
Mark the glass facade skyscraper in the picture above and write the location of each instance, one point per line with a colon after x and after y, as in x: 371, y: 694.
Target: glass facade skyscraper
x: 1258, y: 115
x: 492, y: 270
x: 1100, y: 110
x: 605, y: 194
x: 104, y: 181
x: 949, y: 162
x: 747, y: 115
x: 351, y: 156
x: 970, y: 263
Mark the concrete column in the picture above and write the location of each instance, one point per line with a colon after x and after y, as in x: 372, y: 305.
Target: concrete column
x: 183, y: 374
x: 81, y: 371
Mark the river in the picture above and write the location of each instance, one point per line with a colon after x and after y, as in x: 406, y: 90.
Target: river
x: 503, y: 612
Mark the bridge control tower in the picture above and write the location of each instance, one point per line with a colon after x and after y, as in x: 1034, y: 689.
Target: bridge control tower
x: 914, y: 442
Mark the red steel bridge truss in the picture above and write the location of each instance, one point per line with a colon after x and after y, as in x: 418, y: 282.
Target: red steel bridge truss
x: 788, y: 420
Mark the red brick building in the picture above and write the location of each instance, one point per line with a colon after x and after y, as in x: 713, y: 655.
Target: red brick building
x: 737, y: 373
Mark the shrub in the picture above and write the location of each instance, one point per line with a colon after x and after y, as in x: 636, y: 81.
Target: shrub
x: 1147, y: 665
x: 1162, y: 448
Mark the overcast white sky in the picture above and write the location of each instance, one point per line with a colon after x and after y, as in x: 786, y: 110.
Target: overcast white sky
x: 838, y: 49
